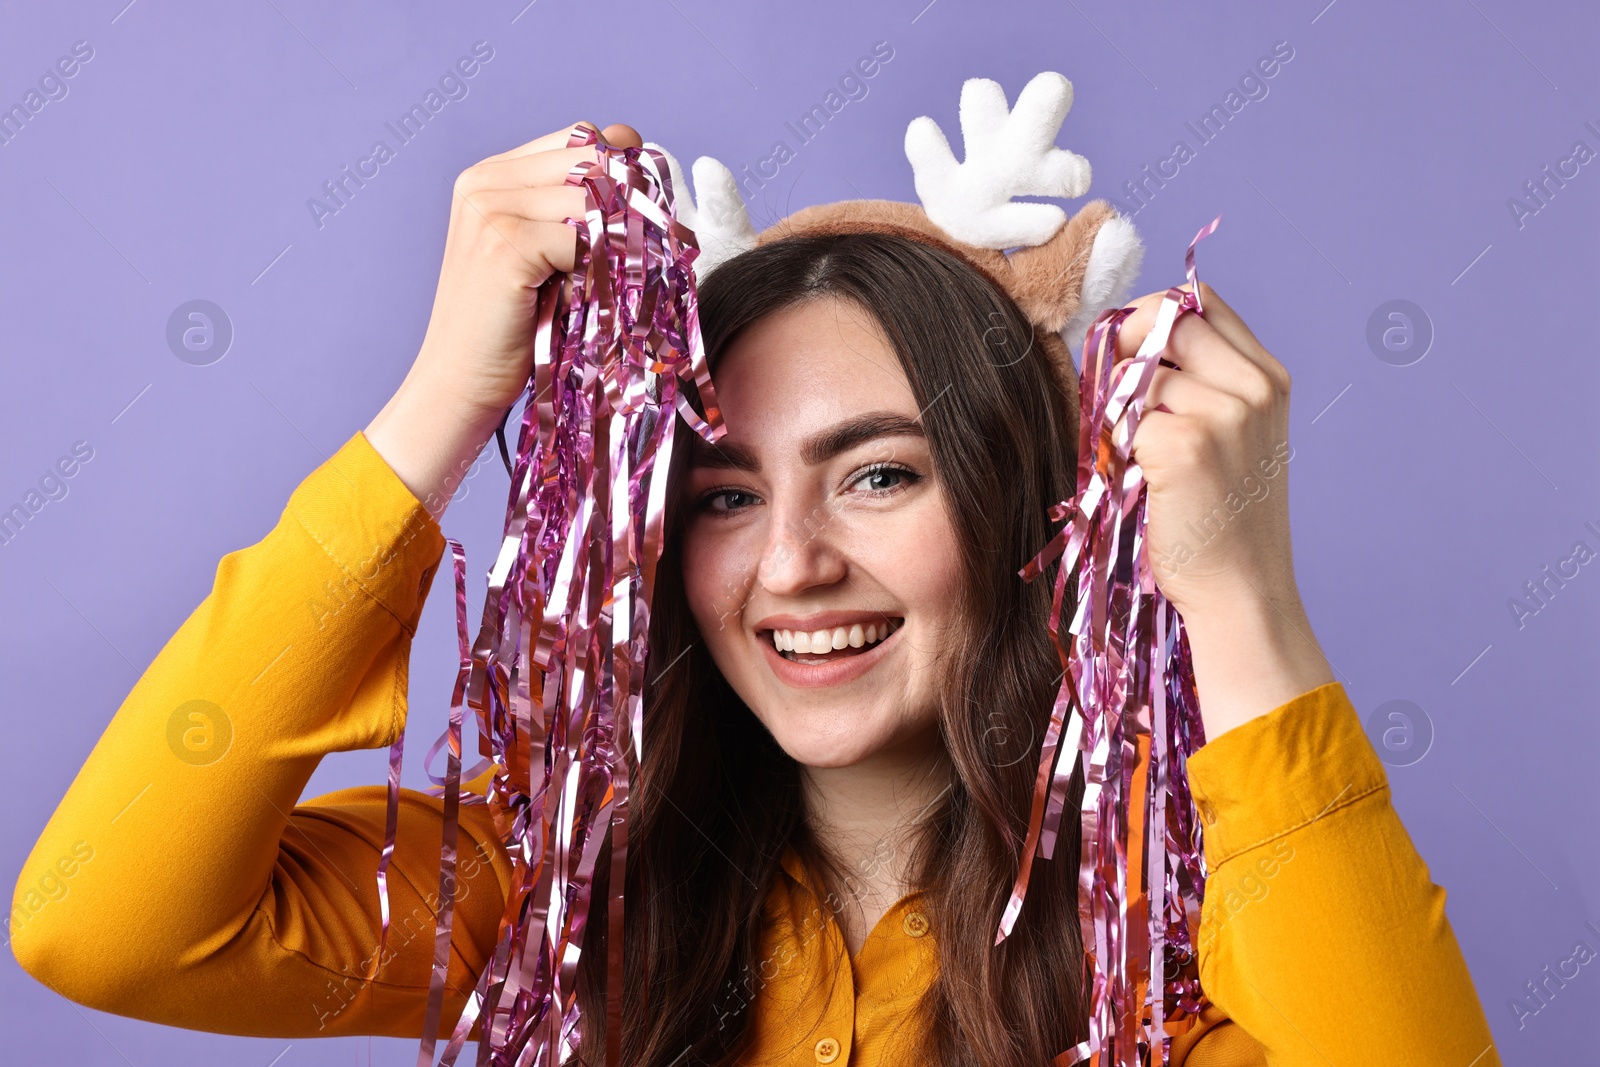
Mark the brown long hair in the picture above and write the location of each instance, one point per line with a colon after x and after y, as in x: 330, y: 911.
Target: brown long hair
x: 720, y: 799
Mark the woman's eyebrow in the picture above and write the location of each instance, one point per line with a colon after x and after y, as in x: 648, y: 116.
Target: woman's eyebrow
x: 818, y: 448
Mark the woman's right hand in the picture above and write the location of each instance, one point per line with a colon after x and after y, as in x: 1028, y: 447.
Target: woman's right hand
x: 506, y: 238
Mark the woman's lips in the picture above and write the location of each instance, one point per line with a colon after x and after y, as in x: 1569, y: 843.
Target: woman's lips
x: 833, y: 671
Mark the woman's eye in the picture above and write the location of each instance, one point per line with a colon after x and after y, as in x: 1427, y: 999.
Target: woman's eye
x: 725, y: 500
x: 885, y: 479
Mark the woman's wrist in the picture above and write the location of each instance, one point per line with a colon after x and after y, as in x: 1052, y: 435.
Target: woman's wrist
x: 430, y: 436
x: 1251, y: 655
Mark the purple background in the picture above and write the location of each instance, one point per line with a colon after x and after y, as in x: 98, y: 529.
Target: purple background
x: 1380, y: 165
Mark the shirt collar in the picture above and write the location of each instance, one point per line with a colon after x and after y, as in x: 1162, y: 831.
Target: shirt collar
x: 796, y: 869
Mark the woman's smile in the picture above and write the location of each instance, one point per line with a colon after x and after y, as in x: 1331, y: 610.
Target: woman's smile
x: 828, y: 649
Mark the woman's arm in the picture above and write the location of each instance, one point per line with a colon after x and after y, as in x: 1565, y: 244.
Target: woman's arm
x: 1322, y: 935
x: 200, y: 895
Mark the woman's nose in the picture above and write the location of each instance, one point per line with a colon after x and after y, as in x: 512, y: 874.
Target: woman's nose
x: 802, y: 552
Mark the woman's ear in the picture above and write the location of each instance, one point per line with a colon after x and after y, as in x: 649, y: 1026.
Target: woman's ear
x: 1089, y: 265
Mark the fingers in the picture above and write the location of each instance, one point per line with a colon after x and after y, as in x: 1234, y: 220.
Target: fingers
x: 1227, y: 321
x: 533, y: 170
x: 548, y: 142
x: 1231, y: 326
x: 618, y: 134
x: 1186, y: 422
x: 622, y: 136
x: 530, y: 221
x: 1219, y: 349
x: 550, y: 165
x: 546, y: 246
x: 1218, y: 314
x: 1180, y: 393
x: 522, y: 197
x: 544, y: 203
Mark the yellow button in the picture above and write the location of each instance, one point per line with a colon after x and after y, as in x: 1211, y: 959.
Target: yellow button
x: 915, y: 923
x: 827, y: 1050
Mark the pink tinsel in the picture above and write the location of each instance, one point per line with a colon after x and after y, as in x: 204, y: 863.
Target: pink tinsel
x: 1127, y: 701
x: 556, y: 675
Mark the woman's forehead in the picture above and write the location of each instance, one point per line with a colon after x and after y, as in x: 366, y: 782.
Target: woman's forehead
x: 808, y: 381
x: 805, y: 368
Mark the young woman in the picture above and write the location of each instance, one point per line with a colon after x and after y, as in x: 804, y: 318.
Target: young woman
x: 848, y: 688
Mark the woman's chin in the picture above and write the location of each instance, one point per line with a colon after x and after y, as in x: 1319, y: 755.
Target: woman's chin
x: 821, y: 757
x: 826, y: 740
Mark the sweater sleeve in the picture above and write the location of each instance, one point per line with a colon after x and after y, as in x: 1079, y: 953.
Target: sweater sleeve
x: 181, y: 881
x: 1322, y: 938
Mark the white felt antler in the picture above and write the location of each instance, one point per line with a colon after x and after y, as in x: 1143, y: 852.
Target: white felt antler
x: 1009, y: 152
x: 1114, y: 262
x: 716, y: 212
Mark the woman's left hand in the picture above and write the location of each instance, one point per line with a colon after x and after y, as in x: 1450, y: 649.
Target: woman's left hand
x: 1213, y: 443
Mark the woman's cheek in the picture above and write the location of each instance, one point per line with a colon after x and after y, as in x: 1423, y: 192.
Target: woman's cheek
x: 716, y: 579
x: 923, y: 555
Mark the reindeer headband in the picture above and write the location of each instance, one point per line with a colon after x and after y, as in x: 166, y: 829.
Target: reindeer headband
x: 1062, y: 273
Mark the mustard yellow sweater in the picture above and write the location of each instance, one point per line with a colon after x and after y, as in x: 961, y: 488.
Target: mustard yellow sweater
x: 182, y: 879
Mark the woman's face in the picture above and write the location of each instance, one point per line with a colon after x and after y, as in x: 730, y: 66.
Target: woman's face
x: 818, y: 522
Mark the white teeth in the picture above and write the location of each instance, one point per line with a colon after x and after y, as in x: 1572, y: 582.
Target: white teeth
x: 814, y: 642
